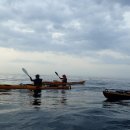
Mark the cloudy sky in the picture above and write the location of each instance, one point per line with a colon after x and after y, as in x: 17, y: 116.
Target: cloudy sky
x: 76, y: 37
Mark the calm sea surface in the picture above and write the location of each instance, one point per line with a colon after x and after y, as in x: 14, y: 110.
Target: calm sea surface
x: 82, y: 108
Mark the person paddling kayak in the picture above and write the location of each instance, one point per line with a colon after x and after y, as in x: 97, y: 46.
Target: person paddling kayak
x: 37, y: 83
x: 63, y: 78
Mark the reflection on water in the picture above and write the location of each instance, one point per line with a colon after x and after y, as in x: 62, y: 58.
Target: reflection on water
x: 63, y: 97
x: 110, y: 103
x: 36, y: 101
x: 37, y: 98
x: 81, y: 108
x: 4, y: 93
x: 46, y: 99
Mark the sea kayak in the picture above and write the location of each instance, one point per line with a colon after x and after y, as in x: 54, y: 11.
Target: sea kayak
x: 31, y: 87
x: 112, y: 94
x: 60, y: 83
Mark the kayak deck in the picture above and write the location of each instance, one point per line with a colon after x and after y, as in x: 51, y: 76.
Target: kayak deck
x: 60, y: 83
x: 31, y: 87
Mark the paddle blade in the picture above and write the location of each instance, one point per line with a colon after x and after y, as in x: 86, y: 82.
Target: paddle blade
x: 56, y: 73
x: 25, y: 71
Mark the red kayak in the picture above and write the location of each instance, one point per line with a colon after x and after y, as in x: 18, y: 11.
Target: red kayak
x: 60, y: 83
x: 32, y: 87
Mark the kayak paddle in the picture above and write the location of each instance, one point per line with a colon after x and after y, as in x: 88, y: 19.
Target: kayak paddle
x: 25, y: 71
x: 57, y: 74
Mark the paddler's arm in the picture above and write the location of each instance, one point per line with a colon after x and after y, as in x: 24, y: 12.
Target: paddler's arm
x: 31, y: 79
x: 60, y: 78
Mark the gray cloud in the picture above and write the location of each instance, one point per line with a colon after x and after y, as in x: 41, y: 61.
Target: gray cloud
x: 123, y: 2
x: 65, y: 26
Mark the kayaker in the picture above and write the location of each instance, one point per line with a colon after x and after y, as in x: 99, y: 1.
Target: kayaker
x: 64, y: 79
x: 37, y: 83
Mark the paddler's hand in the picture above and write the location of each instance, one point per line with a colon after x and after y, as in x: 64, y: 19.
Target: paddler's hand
x: 31, y: 78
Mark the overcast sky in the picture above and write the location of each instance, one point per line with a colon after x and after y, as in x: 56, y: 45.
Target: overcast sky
x: 76, y: 37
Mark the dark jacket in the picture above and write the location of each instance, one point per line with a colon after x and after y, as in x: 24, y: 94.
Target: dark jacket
x: 37, y: 82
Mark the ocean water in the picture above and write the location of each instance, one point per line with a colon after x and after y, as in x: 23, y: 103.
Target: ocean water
x: 82, y: 108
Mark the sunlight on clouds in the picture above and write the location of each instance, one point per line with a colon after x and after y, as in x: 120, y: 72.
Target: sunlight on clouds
x: 73, y: 24
x: 113, y: 54
x: 6, y: 55
x: 50, y: 26
x: 38, y: 61
x: 57, y: 36
x: 127, y: 19
x: 17, y: 26
x: 48, y: 62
